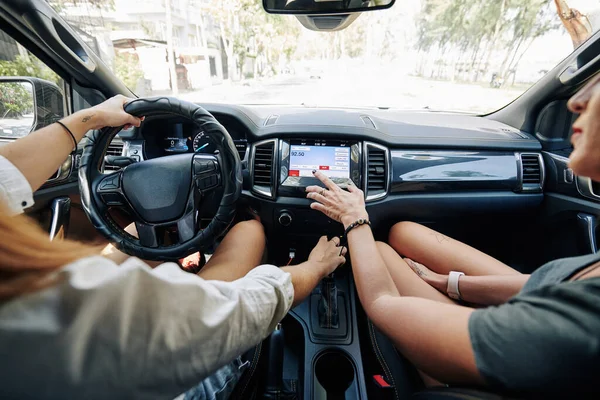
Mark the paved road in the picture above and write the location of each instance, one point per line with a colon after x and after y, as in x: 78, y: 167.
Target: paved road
x: 402, y: 92
x: 16, y: 127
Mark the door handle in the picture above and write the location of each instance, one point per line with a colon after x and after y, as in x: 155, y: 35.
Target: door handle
x: 587, y: 224
x: 61, y: 212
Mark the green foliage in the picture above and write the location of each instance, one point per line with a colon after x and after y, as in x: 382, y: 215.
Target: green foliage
x: 248, y: 31
x: 354, y: 40
x: 128, y: 69
x: 15, y: 100
x: 28, y: 66
x: 484, y: 28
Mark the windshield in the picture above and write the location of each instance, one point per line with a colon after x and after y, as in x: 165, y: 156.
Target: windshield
x: 471, y: 56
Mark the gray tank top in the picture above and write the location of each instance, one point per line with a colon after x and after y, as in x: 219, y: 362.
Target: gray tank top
x: 558, y: 271
x: 545, y: 341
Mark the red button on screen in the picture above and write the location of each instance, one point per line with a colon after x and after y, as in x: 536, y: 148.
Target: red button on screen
x: 324, y: 167
x: 294, y: 172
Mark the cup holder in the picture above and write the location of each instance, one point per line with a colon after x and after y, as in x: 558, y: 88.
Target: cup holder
x: 335, y: 377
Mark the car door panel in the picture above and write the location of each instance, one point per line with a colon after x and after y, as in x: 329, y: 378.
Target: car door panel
x: 571, y: 206
x: 62, y: 187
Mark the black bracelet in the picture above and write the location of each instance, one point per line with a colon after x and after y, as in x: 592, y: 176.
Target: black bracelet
x: 72, y: 136
x: 358, y: 222
x: 344, y: 239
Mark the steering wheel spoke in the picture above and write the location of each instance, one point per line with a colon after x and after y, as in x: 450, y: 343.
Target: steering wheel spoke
x: 110, y: 190
x: 206, y: 172
x: 187, y: 226
x: 147, y: 234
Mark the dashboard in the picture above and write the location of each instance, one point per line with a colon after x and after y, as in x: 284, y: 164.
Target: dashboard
x: 417, y: 164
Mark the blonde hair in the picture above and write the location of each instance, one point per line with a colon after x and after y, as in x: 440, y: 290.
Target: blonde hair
x: 28, y: 257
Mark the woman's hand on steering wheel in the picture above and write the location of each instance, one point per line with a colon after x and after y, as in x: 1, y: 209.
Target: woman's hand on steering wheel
x: 111, y: 113
x: 340, y: 205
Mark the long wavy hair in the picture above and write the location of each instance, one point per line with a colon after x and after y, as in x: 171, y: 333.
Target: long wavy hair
x: 28, y: 257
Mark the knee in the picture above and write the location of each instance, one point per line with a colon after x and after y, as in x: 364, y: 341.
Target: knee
x: 402, y: 232
x: 382, y: 246
x: 251, y: 229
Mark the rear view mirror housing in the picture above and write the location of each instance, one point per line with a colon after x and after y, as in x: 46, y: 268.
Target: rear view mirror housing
x: 324, y: 7
x: 28, y: 104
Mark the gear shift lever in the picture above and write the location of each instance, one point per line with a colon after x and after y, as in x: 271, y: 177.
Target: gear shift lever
x: 329, y: 317
x: 275, y: 367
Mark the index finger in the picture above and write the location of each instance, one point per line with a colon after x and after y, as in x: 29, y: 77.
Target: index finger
x: 326, y: 181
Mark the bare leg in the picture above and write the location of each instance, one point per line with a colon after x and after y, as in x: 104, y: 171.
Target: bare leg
x: 240, y: 251
x: 441, y: 253
x: 410, y: 284
x: 407, y: 282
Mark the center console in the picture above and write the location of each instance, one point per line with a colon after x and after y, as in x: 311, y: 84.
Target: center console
x: 320, y: 356
x: 323, y: 361
x: 281, y: 169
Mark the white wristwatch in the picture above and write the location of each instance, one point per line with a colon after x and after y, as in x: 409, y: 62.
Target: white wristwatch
x: 452, y: 288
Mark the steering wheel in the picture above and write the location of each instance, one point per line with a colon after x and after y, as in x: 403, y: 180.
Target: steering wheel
x: 162, y: 193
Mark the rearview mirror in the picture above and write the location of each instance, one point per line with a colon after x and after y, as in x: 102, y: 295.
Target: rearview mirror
x: 28, y: 104
x: 319, y: 7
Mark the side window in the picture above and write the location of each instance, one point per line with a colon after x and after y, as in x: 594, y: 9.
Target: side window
x: 30, y: 103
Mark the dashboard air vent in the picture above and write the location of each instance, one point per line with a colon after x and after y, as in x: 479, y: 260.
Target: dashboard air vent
x: 532, y: 171
x: 377, y: 171
x: 241, y: 146
x: 115, y: 148
x: 262, y: 167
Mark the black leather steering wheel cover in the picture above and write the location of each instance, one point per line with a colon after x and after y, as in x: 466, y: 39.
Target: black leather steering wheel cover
x: 91, y: 162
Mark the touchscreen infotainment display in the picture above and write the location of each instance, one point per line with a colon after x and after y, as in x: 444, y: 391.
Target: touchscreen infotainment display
x: 337, y: 159
x: 332, y: 161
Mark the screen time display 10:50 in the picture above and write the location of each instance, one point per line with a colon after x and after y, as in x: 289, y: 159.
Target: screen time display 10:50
x: 332, y: 161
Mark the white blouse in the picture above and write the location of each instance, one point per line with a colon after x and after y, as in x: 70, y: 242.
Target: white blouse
x: 128, y: 331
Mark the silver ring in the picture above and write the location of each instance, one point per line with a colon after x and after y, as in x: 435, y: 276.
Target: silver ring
x: 323, y: 192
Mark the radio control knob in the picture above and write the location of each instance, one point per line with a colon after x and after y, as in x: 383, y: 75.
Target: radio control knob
x: 285, y: 219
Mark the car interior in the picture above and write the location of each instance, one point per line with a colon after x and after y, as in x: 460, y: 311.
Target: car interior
x: 499, y: 182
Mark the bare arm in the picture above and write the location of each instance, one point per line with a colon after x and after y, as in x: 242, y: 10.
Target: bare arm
x: 322, y: 261
x: 432, y: 335
x: 485, y: 290
x: 305, y: 277
x: 489, y: 290
x: 372, y: 278
x: 39, y: 154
